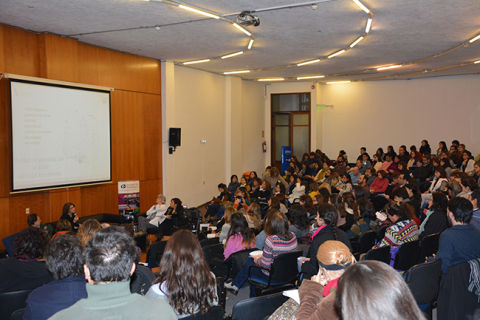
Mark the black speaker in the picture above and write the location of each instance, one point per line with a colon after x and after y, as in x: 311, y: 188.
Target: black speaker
x: 174, y: 137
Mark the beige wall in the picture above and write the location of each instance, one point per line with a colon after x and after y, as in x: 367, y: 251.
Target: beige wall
x: 217, y: 109
x: 382, y: 113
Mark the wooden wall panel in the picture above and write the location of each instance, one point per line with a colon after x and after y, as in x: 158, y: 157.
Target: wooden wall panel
x: 21, y: 52
x: 136, y: 122
x: 152, y: 126
x: 88, y: 64
x: 60, y: 56
x: 149, y: 190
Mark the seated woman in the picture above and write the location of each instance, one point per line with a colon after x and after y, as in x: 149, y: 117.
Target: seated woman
x: 297, y: 191
x: 172, y: 216
x: 24, y: 271
x: 251, y: 178
x: 279, y: 240
x: 439, y: 183
x: 367, y: 222
x: 307, y: 203
x: 380, y: 155
x: 280, y: 192
x: 239, y: 236
x: 317, y: 295
x: 321, y: 174
x: 244, y: 184
x: 227, y: 218
x: 254, y: 218
x: 233, y: 185
x: 380, y: 183
x: 344, y: 185
x: 414, y: 161
x: 68, y: 213
x: 87, y: 230
x: 436, y: 216
x: 393, y: 167
x: 377, y: 162
x: 155, y: 215
x: 63, y: 227
x: 274, y: 203
x: 185, y: 280
x: 299, y: 222
x: 403, y: 228
x: 402, y: 168
x: 305, y: 171
x: 242, y: 201
x: 468, y: 163
x: 327, y: 230
x: 257, y: 182
x: 216, y: 203
x: 373, y: 290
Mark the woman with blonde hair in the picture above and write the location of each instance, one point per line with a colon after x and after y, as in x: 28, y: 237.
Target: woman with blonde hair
x: 226, y: 226
x: 87, y: 230
x: 254, y: 217
x: 317, y: 296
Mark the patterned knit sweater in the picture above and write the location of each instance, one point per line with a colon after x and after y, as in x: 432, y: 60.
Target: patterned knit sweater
x: 361, y: 227
x: 274, y: 246
x: 399, y: 233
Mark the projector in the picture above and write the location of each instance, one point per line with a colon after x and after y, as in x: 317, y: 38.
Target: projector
x: 245, y: 18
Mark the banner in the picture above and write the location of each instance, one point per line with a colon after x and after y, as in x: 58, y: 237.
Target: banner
x: 128, y: 198
x: 286, y: 155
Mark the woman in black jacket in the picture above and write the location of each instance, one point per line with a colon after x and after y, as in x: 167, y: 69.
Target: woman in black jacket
x: 327, y: 221
x: 436, y: 220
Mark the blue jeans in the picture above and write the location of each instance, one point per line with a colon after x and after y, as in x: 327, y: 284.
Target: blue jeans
x: 242, y: 276
x: 221, y: 213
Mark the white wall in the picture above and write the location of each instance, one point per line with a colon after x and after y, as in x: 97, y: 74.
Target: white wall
x: 381, y: 113
x: 217, y: 109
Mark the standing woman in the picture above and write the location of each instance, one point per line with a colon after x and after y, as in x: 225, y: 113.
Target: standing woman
x: 273, y: 177
x: 185, y: 280
x: 68, y: 213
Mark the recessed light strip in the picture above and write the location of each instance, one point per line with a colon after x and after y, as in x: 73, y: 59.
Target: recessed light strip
x: 196, y: 61
x: 272, y: 79
x: 311, y: 77
x: 211, y: 15
x: 369, y: 25
x: 307, y: 62
x: 361, y: 6
x: 389, y: 67
x: 235, y: 72
x: 474, y: 39
x: 478, y: 61
x: 242, y: 29
x: 232, y: 55
x: 356, y: 42
x: 336, y: 54
x: 250, y: 44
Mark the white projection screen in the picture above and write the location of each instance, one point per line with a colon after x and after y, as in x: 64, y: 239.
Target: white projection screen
x: 60, y: 135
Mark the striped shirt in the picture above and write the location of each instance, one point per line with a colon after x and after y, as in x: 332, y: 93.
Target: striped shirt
x: 399, y: 233
x: 274, y: 246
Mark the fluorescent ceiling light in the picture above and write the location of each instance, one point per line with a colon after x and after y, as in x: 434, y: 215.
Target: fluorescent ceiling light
x: 361, y: 6
x: 308, y: 62
x: 356, y: 42
x: 474, y: 39
x: 272, y: 79
x: 335, y: 82
x: 478, y: 61
x: 196, y: 61
x: 242, y: 29
x: 389, y: 67
x: 232, y: 55
x: 199, y: 11
x: 312, y: 77
x: 369, y: 25
x: 250, y: 44
x: 336, y: 54
x: 234, y: 72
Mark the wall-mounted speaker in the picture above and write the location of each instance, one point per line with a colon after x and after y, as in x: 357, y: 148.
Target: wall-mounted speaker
x: 174, y: 138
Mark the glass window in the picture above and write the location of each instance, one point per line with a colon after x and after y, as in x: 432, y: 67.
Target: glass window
x: 291, y: 102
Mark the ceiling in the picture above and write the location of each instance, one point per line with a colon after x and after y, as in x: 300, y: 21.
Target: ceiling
x: 402, y: 31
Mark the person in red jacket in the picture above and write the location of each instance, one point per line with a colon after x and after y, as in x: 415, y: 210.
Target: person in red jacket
x: 380, y: 183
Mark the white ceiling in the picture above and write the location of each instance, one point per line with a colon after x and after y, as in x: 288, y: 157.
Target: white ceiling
x: 402, y: 31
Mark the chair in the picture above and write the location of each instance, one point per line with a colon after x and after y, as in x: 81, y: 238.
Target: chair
x: 215, y: 313
x: 213, y: 254
x: 379, y: 254
x: 367, y: 241
x: 236, y: 261
x: 221, y: 292
x: 8, y: 243
x: 18, y: 315
x: 283, y: 274
x: 428, y: 246
x: 155, y: 253
x: 258, y: 308
x: 12, y: 301
x: 424, y: 280
x: 407, y: 255
x: 354, y: 244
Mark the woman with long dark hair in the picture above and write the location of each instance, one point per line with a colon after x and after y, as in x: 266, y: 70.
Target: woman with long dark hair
x: 327, y: 230
x: 436, y: 216
x: 240, y: 237
x: 173, y: 214
x: 442, y: 146
x: 185, y: 280
x: 425, y: 147
x: 68, y: 213
x: 299, y: 222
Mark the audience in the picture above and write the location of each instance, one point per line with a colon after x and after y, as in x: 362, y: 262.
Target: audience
x: 109, y: 259
x: 299, y: 223
x: 436, y: 217
x: 24, y: 271
x: 185, y: 281
x: 64, y: 260
x: 367, y: 222
x: 87, y: 230
x: 240, y: 237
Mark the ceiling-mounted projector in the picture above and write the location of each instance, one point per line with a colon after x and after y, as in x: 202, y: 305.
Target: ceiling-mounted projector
x: 246, y: 18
